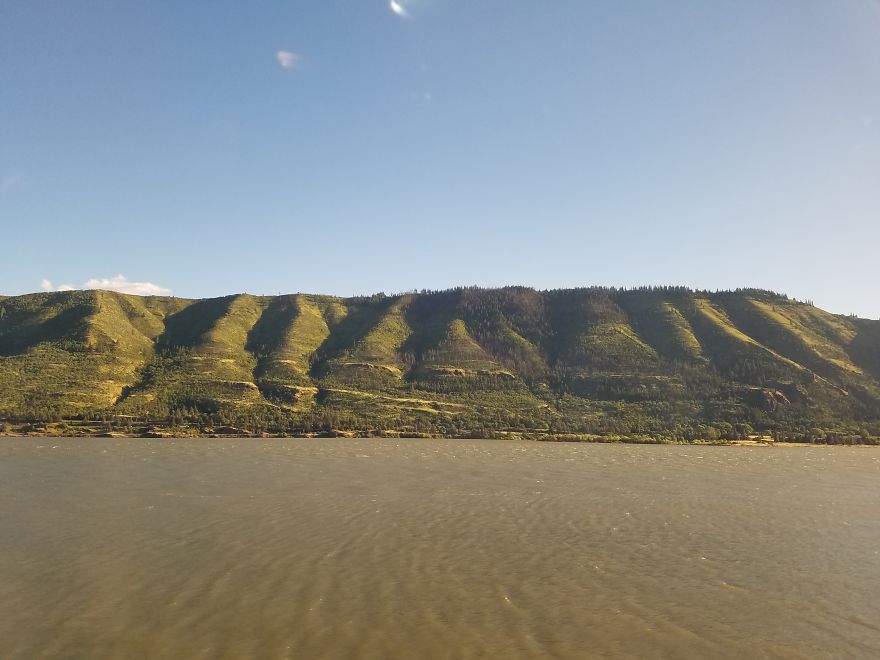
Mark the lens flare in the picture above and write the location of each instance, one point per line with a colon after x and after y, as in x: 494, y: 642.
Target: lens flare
x: 397, y: 8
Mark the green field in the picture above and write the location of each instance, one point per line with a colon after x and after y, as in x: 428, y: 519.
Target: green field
x: 650, y: 364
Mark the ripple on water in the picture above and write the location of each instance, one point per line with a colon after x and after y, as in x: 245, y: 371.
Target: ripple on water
x: 435, y: 549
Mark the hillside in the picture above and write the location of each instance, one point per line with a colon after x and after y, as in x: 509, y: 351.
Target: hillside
x: 659, y: 363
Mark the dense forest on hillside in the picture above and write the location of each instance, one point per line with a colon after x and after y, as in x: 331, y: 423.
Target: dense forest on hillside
x: 649, y: 364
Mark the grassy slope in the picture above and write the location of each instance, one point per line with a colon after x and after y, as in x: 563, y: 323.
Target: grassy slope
x: 76, y: 351
x: 731, y: 351
x: 504, y: 358
x: 202, y: 359
x: 663, y: 326
x: 486, y: 353
x: 458, y: 352
x: 594, y: 335
x: 286, y: 340
x: 367, y: 353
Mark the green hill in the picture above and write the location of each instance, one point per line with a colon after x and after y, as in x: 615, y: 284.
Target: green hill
x: 662, y: 363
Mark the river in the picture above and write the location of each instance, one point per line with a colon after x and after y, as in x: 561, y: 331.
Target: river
x: 385, y: 549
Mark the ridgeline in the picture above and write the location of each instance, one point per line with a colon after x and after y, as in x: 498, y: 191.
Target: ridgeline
x: 651, y: 365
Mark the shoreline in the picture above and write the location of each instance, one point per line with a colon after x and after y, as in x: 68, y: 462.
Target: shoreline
x: 159, y: 434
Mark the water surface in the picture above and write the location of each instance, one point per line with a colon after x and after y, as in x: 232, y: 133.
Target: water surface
x: 436, y: 549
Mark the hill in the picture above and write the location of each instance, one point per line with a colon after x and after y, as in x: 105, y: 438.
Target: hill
x: 663, y: 363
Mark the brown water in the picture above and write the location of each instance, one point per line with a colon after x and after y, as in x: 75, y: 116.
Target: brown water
x: 436, y: 549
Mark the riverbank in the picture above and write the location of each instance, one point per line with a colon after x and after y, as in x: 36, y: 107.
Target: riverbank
x: 81, y: 429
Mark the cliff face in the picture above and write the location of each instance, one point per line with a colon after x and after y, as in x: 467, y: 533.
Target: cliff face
x: 668, y: 361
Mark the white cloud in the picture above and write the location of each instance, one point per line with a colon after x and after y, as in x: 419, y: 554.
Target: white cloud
x: 119, y: 283
x: 287, y: 59
x: 398, y: 8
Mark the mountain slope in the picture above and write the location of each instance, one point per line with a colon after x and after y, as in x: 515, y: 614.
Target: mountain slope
x: 666, y: 362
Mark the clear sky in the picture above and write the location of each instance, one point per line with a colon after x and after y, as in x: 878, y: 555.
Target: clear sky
x: 355, y: 146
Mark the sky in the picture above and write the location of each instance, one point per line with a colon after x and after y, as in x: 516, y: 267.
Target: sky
x: 349, y: 147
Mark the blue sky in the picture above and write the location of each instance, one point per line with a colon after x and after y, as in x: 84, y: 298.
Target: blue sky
x: 351, y: 147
